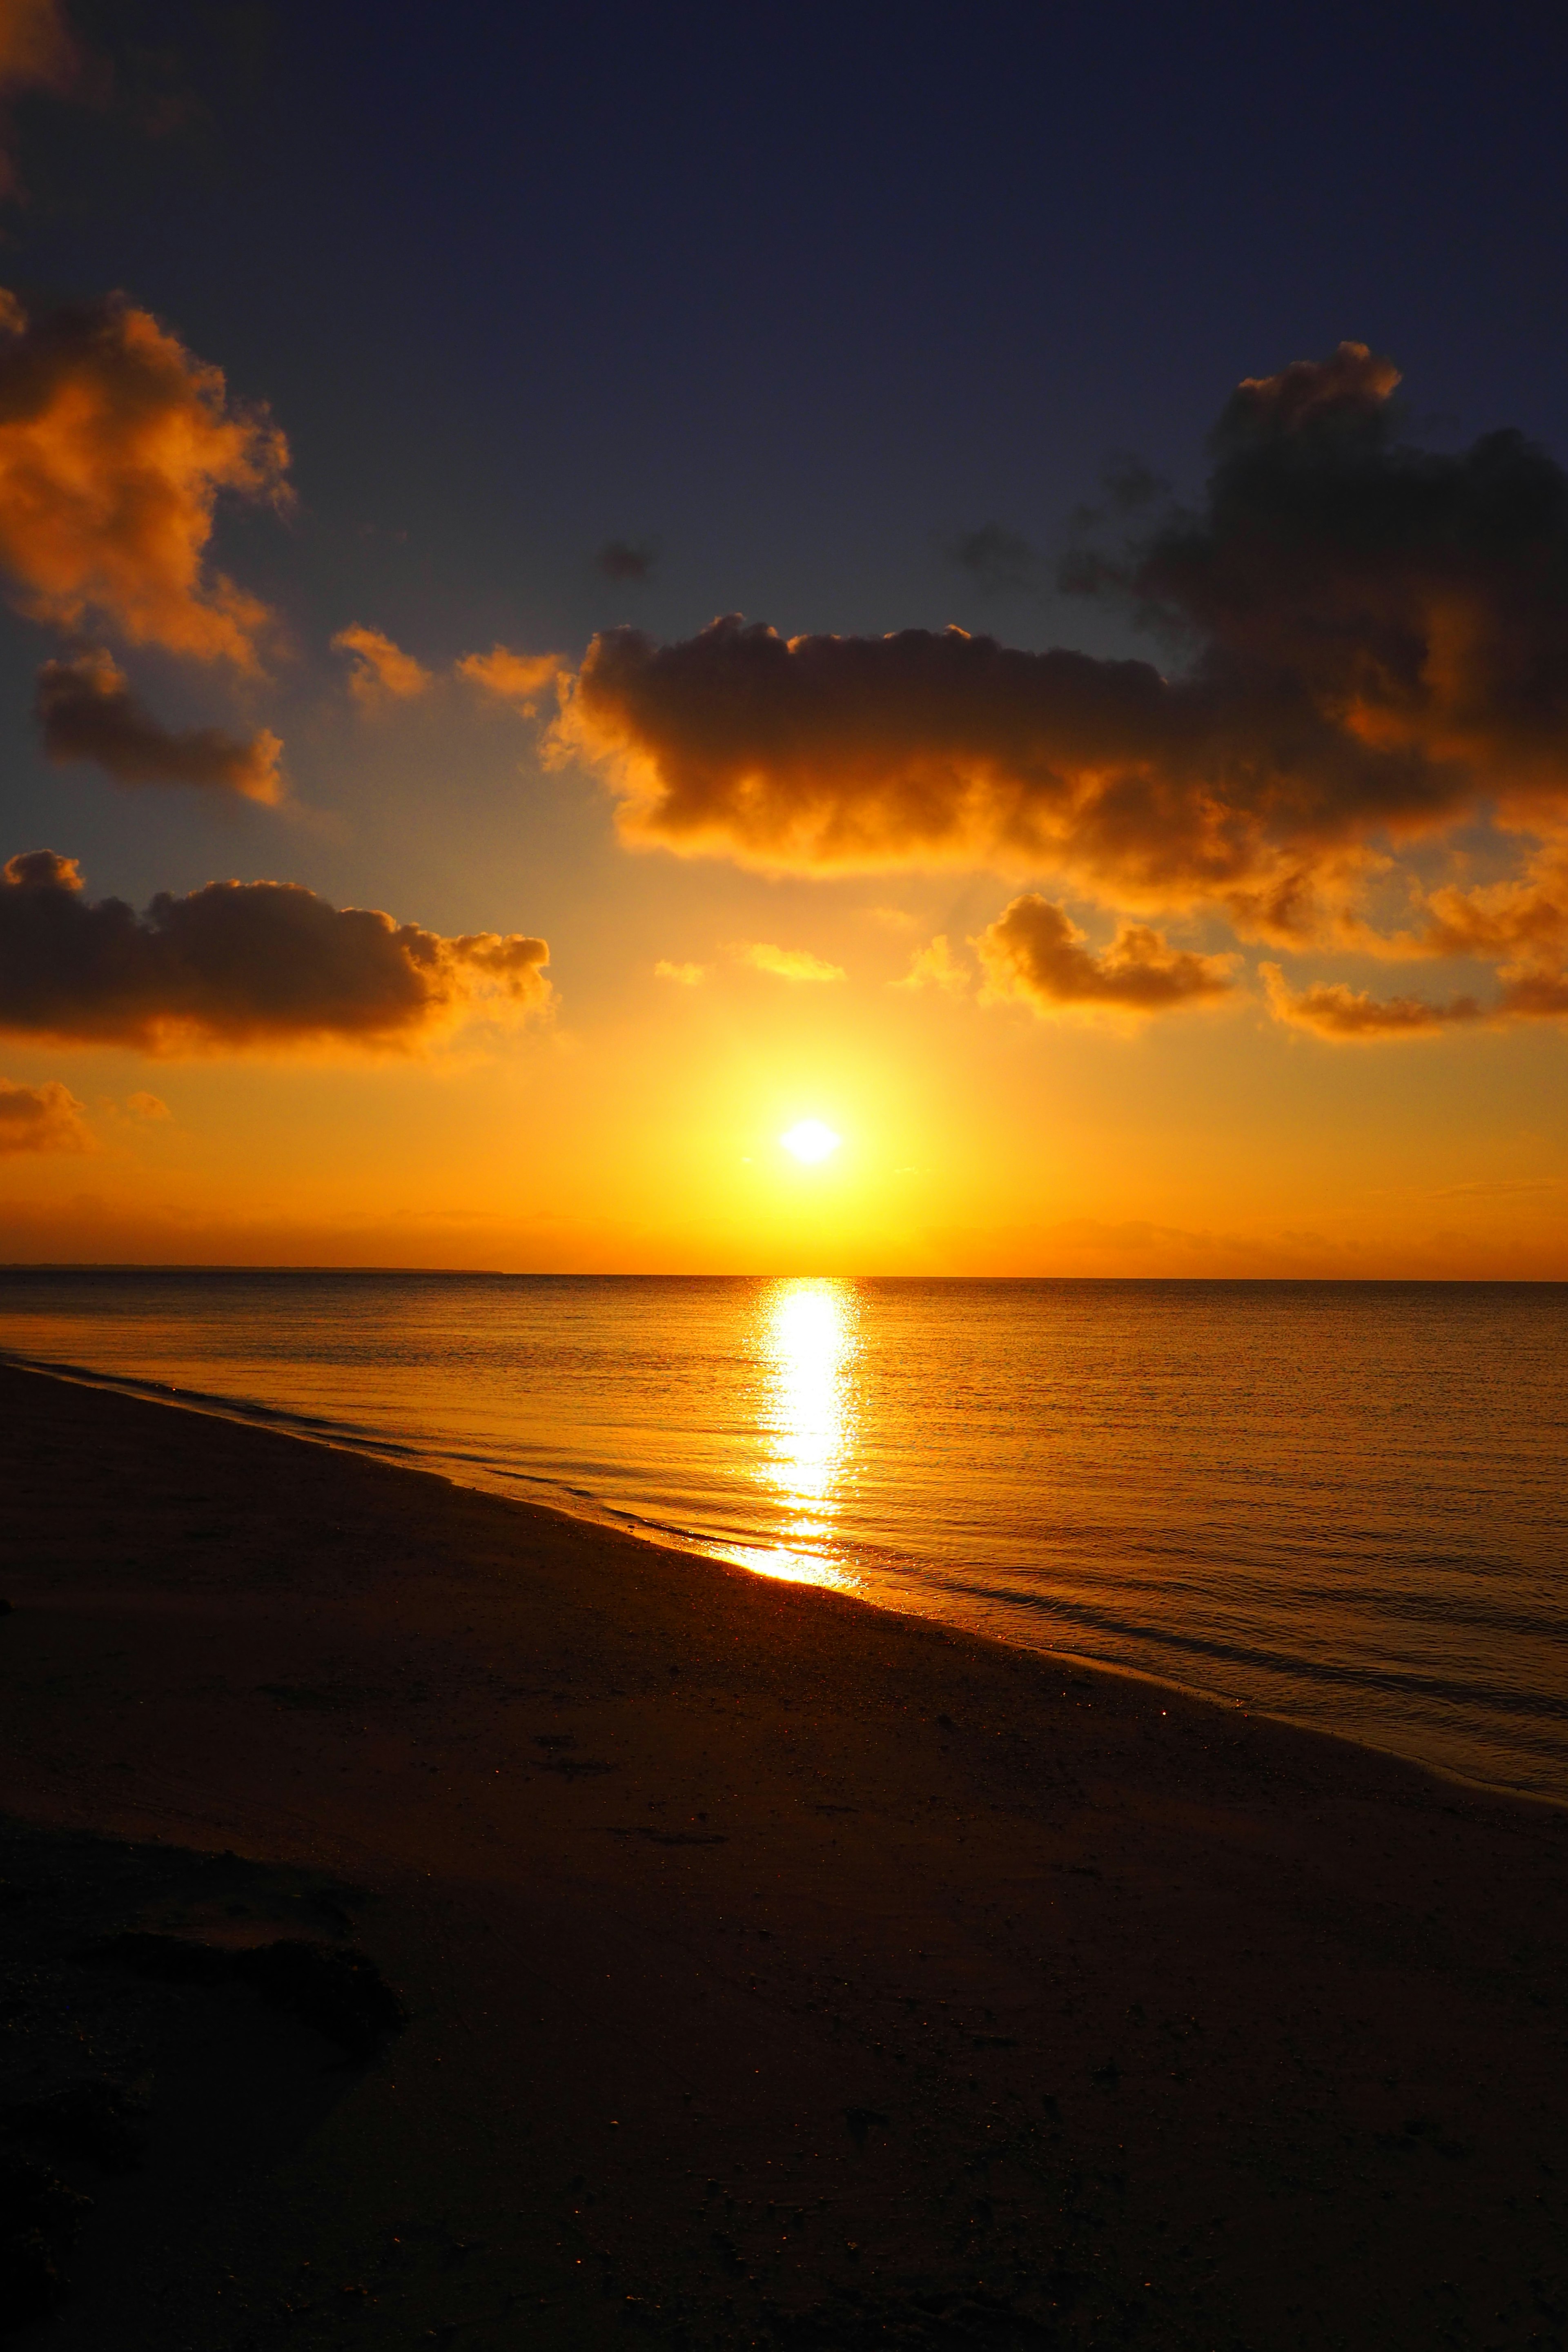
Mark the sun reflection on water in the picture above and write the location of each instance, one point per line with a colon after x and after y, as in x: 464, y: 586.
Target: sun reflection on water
x: 806, y: 1341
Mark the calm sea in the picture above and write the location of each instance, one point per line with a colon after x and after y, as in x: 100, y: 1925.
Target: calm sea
x: 1344, y: 1503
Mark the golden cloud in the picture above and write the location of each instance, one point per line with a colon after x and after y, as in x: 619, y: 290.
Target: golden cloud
x: 517, y: 678
x: 685, y: 975
x: 381, y: 671
x: 115, y: 444
x: 1035, y: 952
x: 239, y: 964
x: 86, y: 710
x: 41, y: 1119
x: 787, y: 963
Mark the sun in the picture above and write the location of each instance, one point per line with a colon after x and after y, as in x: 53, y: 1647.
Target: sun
x: 810, y: 1142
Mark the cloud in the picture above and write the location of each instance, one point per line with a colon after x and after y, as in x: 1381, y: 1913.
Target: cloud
x: 1524, y: 920
x: 935, y: 967
x: 998, y: 561
x: 626, y: 559
x: 145, y: 1106
x: 115, y: 446
x: 235, y: 964
x: 37, y: 51
x: 87, y: 711
x: 686, y: 975
x: 38, y: 48
x: 787, y: 963
x: 1534, y: 996
x: 381, y: 671
x: 1374, y: 639
x: 41, y: 1119
x: 1335, y: 1010
x: 1035, y: 951
x: 517, y: 678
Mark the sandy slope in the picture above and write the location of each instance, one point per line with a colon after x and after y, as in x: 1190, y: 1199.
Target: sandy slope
x: 779, y: 1969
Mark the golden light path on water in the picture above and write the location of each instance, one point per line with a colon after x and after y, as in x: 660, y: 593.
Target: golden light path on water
x: 807, y: 1340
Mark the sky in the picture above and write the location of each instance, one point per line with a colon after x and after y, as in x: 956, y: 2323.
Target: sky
x: 580, y: 588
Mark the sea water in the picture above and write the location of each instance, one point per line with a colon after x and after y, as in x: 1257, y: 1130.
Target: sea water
x: 1342, y: 1503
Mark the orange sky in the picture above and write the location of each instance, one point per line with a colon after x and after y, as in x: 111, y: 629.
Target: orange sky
x: 1214, y: 920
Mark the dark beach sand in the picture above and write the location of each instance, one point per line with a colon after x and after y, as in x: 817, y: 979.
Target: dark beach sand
x: 777, y: 1970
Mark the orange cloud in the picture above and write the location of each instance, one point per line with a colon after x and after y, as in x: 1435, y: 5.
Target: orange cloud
x: 1035, y: 951
x: 1525, y: 919
x: 235, y: 964
x: 1333, y: 1009
x: 517, y: 678
x: 41, y: 1119
x: 787, y: 963
x: 37, y: 51
x: 87, y: 711
x: 685, y: 975
x: 115, y: 446
x: 37, y: 48
x: 381, y: 671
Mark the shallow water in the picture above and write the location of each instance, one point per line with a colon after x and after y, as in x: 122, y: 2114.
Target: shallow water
x: 1344, y: 1503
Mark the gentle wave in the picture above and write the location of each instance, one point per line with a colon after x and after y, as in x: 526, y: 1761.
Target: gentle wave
x: 1342, y: 1503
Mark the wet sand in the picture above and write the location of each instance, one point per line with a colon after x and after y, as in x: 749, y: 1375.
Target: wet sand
x: 777, y: 1970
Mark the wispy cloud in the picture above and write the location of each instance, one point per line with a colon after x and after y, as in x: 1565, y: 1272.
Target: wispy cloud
x: 936, y: 966
x: 382, y: 672
x: 787, y: 963
x: 517, y: 678
x: 997, y: 561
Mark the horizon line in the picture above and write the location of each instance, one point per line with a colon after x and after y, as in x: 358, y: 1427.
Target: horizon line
x: 559, y: 1274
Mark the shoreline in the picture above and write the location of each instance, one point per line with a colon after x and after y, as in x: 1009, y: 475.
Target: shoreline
x: 279, y: 1422
x: 781, y: 1970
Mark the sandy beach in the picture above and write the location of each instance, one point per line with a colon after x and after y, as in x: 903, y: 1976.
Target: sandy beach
x: 775, y: 1969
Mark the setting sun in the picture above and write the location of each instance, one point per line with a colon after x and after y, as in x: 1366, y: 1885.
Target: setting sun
x: 811, y: 1141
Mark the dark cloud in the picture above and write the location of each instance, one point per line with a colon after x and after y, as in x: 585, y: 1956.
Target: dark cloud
x: 1130, y: 486
x: 41, y: 1119
x: 237, y: 964
x: 87, y: 711
x: 1377, y: 649
x: 1034, y: 950
x: 998, y: 561
x: 115, y: 444
x: 626, y: 559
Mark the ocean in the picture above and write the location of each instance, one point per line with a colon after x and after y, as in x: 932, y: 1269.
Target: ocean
x: 1344, y: 1504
